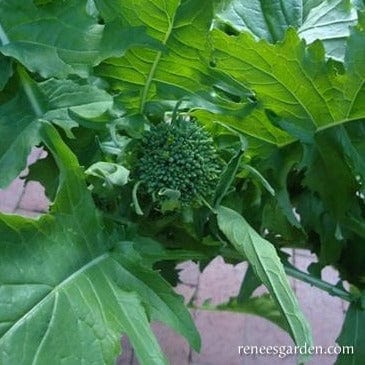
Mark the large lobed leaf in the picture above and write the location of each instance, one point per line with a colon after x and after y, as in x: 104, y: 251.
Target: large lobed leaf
x: 59, y: 38
x: 292, y: 81
x: 182, y: 69
x: 308, y: 91
x: 66, y: 295
x: 142, y: 75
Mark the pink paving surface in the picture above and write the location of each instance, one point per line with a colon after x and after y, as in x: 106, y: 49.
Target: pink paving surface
x: 221, y: 332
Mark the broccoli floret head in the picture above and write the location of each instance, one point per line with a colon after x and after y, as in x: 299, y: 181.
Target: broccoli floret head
x: 178, y: 159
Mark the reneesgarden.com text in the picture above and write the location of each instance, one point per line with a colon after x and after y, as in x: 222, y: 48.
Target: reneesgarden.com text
x: 283, y: 351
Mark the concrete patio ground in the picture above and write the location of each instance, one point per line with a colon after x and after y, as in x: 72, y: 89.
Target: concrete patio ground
x: 221, y: 332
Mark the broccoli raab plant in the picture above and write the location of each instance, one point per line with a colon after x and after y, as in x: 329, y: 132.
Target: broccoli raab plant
x: 177, y: 130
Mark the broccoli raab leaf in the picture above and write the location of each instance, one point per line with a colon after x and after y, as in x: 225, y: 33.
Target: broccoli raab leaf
x: 50, y: 100
x: 181, y: 26
x: 66, y: 294
x: 295, y: 87
x: 59, y: 39
x: 265, y: 19
x: 353, y: 334
x: 292, y: 81
x: 68, y: 287
x: 328, y: 20
x: 181, y: 69
x: 321, y: 106
x: 295, y: 81
x: 267, y: 266
x: 263, y: 306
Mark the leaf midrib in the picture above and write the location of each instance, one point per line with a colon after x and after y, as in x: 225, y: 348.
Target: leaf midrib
x: 155, y: 63
x: 323, y: 25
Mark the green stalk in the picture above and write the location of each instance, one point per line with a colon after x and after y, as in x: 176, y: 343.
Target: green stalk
x: 306, y: 278
x: 154, y: 68
x: 320, y: 284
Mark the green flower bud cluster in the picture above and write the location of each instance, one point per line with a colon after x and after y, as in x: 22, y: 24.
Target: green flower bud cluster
x: 178, y: 157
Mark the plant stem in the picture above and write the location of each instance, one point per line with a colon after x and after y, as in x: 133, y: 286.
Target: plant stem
x: 154, y: 68
x: 307, y: 278
x: 214, y: 211
x: 318, y: 283
x: 137, y: 207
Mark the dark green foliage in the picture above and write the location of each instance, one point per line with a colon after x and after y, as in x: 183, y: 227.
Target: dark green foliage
x: 81, y: 78
x: 178, y: 161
